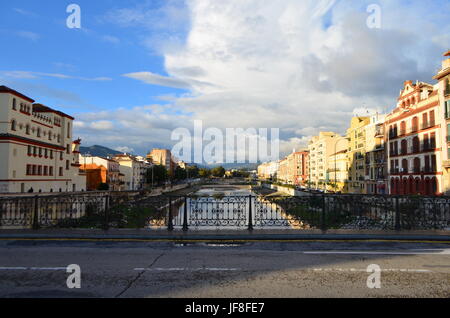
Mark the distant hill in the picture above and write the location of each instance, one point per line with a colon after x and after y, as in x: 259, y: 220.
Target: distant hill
x: 98, y: 151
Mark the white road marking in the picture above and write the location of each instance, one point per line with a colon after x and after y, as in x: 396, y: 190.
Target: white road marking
x: 32, y: 268
x: 409, y: 252
x: 179, y: 269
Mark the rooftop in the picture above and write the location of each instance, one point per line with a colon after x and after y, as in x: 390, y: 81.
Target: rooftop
x: 5, y: 89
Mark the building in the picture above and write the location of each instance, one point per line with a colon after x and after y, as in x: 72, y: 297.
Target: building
x: 37, y: 151
x: 413, y: 136
x: 294, y: 169
x: 375, y: 157
x: 134, y: 171
x: 443, y: 78
x: 102, y: 170
x: 320, y: 148
x: 338, y: 171
x: 356, y: 154
x: 162, y: 157
x: 268, y: 170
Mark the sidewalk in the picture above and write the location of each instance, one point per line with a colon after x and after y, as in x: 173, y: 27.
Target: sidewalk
x: 225, y: 235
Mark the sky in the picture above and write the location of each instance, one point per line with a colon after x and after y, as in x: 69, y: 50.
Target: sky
x: 137, y: 70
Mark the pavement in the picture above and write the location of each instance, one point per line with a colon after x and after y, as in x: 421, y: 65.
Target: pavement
x: 256, y: 269
x: 223, y: 234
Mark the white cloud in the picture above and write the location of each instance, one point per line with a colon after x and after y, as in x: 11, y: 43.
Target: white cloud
x: 124, y: 149
x: 102, y: 125
x: 301, y: 66
x: 32, y: 75
x: 29, y: 35
x: 111, y: 39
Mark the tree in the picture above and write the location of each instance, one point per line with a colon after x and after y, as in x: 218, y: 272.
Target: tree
x: 159, y: 172
x: 218, y: 172
x: 192, y: 171
x: 204, y: 173
x: 180, y: 173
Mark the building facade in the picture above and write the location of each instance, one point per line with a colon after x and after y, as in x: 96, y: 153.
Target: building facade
x: 37, y: 149
x: 413, y: 135
x: 320, y: 148
x: 134, y: 171
x: 102, y: 170
x: 375, y: 157
x: 443, y: 78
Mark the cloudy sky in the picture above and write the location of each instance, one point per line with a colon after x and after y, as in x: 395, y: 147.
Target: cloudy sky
x: 137, y: 70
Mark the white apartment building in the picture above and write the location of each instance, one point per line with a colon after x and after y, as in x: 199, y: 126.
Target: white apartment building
x: 37, y: 152
x: 134, y: 171
x: 320, y: 148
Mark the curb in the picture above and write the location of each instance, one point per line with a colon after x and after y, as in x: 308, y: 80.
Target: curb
x: 256, y: 237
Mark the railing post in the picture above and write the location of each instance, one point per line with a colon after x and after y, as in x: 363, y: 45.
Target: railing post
x: 397, y: 214
x: 170, y: 224
x: 250, y: 216
x: 185, y: 218
x: 35, y: 224
x: 324, y: 207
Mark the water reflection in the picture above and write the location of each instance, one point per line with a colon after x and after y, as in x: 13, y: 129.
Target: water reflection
x: 229, y: 208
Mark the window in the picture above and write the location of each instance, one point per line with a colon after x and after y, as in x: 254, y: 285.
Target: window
x: 402, y: 128
x: 27, y: 129
x: 46, y: 153
x: 60, y: 171
x: 416, y: 145
x: 39, y: 170
x: 35, y: 151
x: 34, y: 171
x: 416, y: 165
x: 433, y: 140
x: 29, y: 170
x: 425, y: 120
x: 61, y: 155
x: 405, y: 166
x: 40, y: 152
x: 415, y: 124
x: 432, y: 118
x: 50, y: 172
x: 67, y: 164
x: 51, y: 154
x: 14, y: 104
x: 30, y: 150
x: 59, y: 138
x: 13, y: 125
x: 426, y: 143
x: 433, y: 163
x: 45, y: 170
x: 39, y: 132
x: 447, y: 109
x: 447, y: 87
x: 68, y: 130
x: 427, y: 164
x: 49, y: 135
x: 404, y: 147
x: 68, y: 149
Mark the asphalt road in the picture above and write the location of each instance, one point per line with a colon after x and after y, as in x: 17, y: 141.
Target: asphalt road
x: 264, y: 269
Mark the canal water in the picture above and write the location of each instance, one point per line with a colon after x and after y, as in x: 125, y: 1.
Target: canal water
x: 222, y: 207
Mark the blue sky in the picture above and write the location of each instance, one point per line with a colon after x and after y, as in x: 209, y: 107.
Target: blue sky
x: 40, y: 42
x: 139, y: 69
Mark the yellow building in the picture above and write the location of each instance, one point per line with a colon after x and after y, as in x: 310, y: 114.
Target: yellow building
x: 338, y: 172
x: 356, y: 154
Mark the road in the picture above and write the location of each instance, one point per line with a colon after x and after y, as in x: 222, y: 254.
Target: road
x: 255, y: 269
